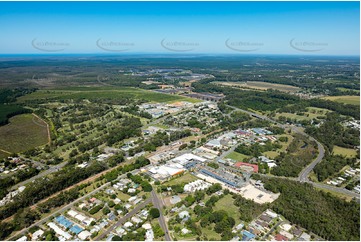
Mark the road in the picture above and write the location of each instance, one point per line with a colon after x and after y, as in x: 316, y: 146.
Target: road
x: 224, y: 154
x: 163, y: 224
x: 41, y: 174
x: 124, y: 219
x: 336, y: 189
x: 271, y: 230
x: 303, y: 176
x: 341, y: 190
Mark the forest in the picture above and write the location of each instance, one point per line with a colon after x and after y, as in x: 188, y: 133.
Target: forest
x: 272, y: 100
x: 328, y: 216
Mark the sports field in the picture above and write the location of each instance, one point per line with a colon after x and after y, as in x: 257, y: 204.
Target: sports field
x: 103, y: 93
x: 23, y: 132
x: 355, y: 100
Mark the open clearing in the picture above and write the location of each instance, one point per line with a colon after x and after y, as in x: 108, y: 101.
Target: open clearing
x: 237, y: 156
x: 260, y: 86
x: 274, y: 154
x: 355, y: 100
x: 103, y: 93
x: 226, y: 204
x: 186, y: 178
x: 347, y: 89
x: 24, y: 132
x: 312, y: 113
x: 337, y: 150
x: 211, y: 234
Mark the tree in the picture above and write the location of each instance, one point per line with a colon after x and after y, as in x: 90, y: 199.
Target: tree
x: 154, y: 213
x: 116, y: 238
x: 183, y: 146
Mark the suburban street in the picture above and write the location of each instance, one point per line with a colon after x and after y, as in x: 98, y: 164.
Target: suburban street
x: 271, y: 230
x: 124, y: 219
x: 61, y: 210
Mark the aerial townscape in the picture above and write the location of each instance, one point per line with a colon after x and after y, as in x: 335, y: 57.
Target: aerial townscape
x: 182, y: 147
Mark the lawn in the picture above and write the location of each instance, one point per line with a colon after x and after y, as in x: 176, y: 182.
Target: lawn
x: 122, y: 196
x: 103, y: 93
x: 211, y: 234
x: 271, y: 154
x: 24, y: 132
x: 237, y: 156
x: 186, y: 178
x: 226, y: 204
x: 337, y: 150
x: 355, y: 100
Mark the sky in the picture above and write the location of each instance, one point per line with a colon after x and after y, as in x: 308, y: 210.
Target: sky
x: 312, y: 28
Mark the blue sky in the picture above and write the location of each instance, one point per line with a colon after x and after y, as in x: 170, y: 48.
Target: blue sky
x: 320, y: 28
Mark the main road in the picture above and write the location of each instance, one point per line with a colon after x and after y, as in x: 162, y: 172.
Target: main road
x: 163, y: 224
x: 51, y: 169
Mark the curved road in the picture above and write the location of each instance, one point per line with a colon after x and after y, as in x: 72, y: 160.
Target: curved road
x: 303, y: 176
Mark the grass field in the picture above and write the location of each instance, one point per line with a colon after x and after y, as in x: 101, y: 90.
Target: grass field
x: 312, y: 113
x: 226, y: 204
x: 355, y: 100
x: 271, y: 154
x: 274, y: 154
x: 211, y: 234
x: 261, y: 86
x: 103, y: 93
x: 347, y: 89
x: 337, y: 150
x: 23, y: 133
x: 185, y: 178
x: 237, y: 156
